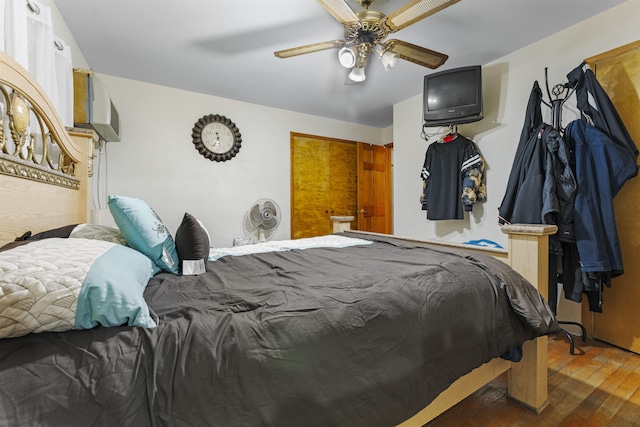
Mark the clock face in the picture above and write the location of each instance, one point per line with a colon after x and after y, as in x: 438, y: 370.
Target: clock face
x: 216, y: 137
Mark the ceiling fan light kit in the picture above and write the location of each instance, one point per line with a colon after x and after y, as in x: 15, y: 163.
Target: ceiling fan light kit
x: 347, y: 57
x: 365, y: 32
x: 389, y: 60
x: 357, y: 74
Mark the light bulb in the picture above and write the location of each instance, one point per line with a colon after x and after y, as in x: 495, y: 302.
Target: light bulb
x: 389, y: 60
x: 357, y: 74
x: 347, y: 57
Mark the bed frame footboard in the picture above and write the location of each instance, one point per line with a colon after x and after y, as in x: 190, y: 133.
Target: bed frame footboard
x: 528, y: 254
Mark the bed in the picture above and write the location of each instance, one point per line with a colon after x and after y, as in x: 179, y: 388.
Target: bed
x: 352, y: 329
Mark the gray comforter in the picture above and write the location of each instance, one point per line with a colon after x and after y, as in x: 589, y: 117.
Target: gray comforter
x: 359, y: 336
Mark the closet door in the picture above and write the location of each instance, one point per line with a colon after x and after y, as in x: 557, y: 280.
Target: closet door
x: 343, y: 176
x: 323, y: 183
x: 618, y: 71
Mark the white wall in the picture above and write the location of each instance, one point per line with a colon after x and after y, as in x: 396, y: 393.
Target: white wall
x: 387, y: 135
x: 507, y: 85
x: 156, y: 159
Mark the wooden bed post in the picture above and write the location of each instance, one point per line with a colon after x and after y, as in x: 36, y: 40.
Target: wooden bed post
x: 529, y: 255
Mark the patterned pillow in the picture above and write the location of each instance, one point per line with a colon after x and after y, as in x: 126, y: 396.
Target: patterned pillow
x: 98, y: 232
x: 79, y: 231
x: 59, y: 284
x: 144, y: 231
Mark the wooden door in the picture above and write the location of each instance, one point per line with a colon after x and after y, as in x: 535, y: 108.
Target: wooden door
x: 618, y: 71
x: 343, y: 189
x: 374, y: 188
x: 323, y: 183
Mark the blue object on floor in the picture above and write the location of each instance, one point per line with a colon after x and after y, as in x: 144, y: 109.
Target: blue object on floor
x: 484, y: 242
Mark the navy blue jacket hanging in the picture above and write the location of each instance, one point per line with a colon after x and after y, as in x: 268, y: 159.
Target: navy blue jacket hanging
x: 605, y: 158
x: 595, y: 104
x: 602, y: 167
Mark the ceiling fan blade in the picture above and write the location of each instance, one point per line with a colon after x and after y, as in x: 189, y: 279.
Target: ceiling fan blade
x: 413, y: 12
x: 416, y: 54
x: 310, y: 48
x: 341, y: 11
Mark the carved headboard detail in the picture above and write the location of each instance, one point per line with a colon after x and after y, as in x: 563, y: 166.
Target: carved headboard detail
x: 44, y: 167
x: 28, y: 148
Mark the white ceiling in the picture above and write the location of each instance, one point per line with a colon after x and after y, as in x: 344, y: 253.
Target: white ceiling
x: 225, y: 47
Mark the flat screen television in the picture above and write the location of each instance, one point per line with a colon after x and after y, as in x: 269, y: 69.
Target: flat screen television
x: 453, y: 96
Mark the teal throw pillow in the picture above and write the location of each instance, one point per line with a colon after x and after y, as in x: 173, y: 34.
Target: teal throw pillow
x: 112, y: 292
x: 144, y: 231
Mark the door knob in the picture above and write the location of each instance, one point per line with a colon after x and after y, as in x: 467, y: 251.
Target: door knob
x: 361, y: 211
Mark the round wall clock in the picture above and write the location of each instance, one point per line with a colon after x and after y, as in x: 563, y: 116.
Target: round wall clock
x: 216, y: 137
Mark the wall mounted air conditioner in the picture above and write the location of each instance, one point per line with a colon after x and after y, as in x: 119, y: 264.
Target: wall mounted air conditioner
x: 92, y: 106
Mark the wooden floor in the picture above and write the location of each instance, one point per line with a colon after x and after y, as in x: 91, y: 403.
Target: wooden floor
x: 598, y: 386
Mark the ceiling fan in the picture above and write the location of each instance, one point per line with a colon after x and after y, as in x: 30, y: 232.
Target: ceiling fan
x: 365, y: 32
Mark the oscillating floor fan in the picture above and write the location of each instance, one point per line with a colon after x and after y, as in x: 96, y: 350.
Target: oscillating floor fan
x: 261, y: 220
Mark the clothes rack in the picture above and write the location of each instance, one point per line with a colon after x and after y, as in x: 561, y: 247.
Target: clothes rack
x: 595, y: 151
x: 555, y: 103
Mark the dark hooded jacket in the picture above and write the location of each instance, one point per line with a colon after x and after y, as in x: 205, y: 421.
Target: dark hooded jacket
x: 541, y: 187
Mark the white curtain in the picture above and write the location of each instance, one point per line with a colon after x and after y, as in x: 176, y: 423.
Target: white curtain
x: 64, y: 81
x: 3, y: 21
x: 28, y: 38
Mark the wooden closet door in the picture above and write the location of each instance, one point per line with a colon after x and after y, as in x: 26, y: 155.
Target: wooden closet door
x: 618, y: 71
x: 323, y: 183
x: 343, y: 176
x: 374, y: 188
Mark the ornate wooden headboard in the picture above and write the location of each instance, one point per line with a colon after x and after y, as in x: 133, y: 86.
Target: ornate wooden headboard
x: 44, y: 168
